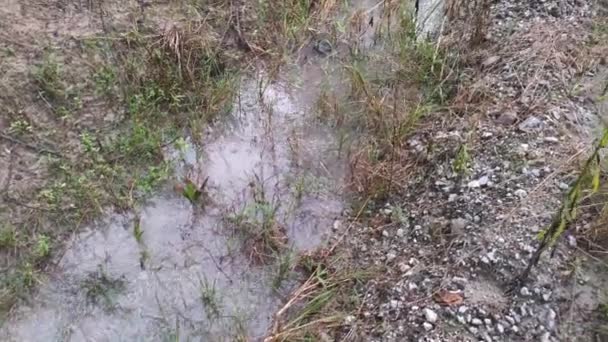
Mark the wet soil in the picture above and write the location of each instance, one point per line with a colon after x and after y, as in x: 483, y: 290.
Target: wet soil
x: 270, y: 144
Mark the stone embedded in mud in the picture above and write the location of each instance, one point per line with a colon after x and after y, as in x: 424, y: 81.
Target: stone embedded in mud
x: 323, y: 47
x: 507, y: 118
x: 521, y: 193
x: 531, y: 124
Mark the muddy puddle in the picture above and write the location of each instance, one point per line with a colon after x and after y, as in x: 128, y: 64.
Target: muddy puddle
x: 172, y: 270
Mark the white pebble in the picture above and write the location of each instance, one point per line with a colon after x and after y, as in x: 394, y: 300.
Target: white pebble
x: 430, y: 315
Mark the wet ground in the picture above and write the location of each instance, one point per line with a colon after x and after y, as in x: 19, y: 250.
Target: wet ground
x: 174, y: 269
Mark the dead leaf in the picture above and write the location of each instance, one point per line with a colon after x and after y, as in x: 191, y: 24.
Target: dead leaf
x: 445, y: 297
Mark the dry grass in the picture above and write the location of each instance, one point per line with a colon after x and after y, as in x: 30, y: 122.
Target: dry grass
x: 318, y: 308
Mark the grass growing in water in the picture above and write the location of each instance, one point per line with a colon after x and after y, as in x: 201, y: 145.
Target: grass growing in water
x: 158, y: 86
x: 210, y: 298
x: 100, y: 288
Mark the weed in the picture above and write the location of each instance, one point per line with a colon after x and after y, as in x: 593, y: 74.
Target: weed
x: 300, y: 188
x: 105, y: 81
x: 462, y: 161
x: 263, y: 236
x: 8, y: 237
x: 144, y: 256
x: 137, y: 231
x: 88, y: 142
x: 588, y: 180
x: 99, y: 288
x: 191, y: 192
x: 285, y: 265
x: 20, y: 127
x: 153, y: 177
x: 209, y: 297
x: 49, y: 78
x: 43, y: 246
x: 322, y: 301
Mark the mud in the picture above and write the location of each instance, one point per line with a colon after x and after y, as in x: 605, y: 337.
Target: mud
x: 186, y: 275
x: 173, y: 270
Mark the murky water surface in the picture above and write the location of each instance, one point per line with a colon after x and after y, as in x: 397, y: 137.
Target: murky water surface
x: 173, y: 271
x: 186, y: 275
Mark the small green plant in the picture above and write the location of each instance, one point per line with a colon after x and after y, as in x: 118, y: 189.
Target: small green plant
x: 137, y: 231
x: 26, y: 277
x: 603, y: 308
x: 8, y: 237
x: 285, y: 264
x: 43, y: 246
x: 49, y: 78
x: 88, y: 142
x: 299, y: 188
x: 462, y: 162
x: 99, y: 288
x: 20, y: 127
x: 209, y: 297
x: 104, y: 79
x: 154, y: 176
x: 191, y: 192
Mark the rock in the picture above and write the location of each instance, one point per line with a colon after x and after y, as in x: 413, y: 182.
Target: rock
x: 430, y: 315
x: 572, y: 241
x: 553, y: 140
x: 461, y: 320
x: 551, y: 315
x: 547, y: 296
x: 507, y: 118
x: 531, y: 124
x: 515, y: 329
x: 427, y: 326
x: 337, y: 224
x: 460, y: 281
x: 554, y: 11
x: 473, y: 330
x: 390, y: 256
x: 487, y: 321
x: 563, y: 186
x: 463, y: 309
x: 490, y: 61
x: 500, y: 328
x: 458, y: 225
x: 521, y: 193
x: 400, y: 232
x: 323, y: 47
x: 403, y: 267
x: 546, y: 337
x: 524, y: 291
x: 473, y: 184
x: 483, y: 181
x: 349, y: 319
x: 476, y: 321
